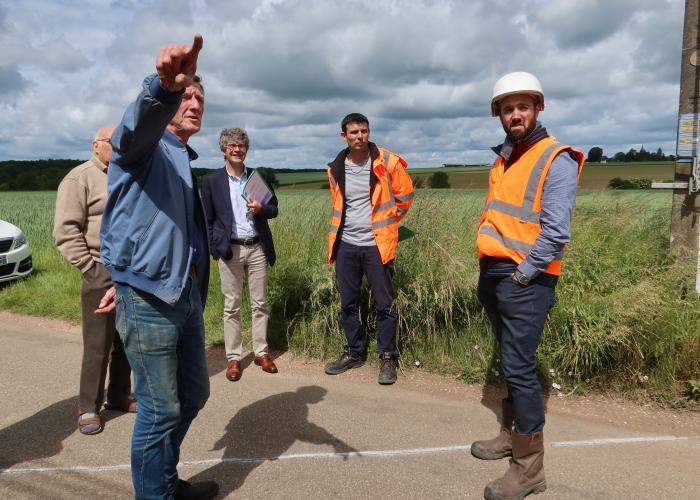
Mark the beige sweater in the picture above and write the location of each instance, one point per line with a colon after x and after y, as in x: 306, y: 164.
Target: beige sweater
x: 80, y: 202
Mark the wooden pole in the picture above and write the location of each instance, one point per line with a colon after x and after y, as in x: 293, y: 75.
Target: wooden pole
x: 685, y: 215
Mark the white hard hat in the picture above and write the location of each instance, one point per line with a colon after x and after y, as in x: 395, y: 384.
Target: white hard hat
x: 519, y: 82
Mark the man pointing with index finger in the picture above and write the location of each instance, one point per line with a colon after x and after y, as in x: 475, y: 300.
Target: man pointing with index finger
x: 154, y: 244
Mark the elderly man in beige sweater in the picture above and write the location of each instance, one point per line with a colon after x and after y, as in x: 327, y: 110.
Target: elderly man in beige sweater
x: 80, y: 202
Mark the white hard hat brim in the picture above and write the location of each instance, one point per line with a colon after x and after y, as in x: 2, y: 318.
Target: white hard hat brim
x: 533, y: 93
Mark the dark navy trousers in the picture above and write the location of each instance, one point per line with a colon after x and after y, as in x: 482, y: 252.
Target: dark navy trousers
x: 517, y: 314
x: 351, y: 263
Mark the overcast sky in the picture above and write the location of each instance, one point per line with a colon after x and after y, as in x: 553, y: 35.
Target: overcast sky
x: 289, y: 70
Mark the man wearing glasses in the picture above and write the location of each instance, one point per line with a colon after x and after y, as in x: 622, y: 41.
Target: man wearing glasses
x: 242, y: 243
x: 80, y: 201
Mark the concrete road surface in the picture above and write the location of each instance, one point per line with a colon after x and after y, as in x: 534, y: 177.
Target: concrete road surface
x: 302, y: 434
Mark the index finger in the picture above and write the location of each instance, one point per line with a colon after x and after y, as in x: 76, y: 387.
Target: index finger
x: 196, y: 45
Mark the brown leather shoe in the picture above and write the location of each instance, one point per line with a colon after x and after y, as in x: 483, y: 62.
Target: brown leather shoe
x: 126, y: 404
x: 266, y: 363
x: 234, y: 370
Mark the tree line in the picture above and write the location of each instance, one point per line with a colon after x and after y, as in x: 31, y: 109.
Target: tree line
x: 46, y: 175
x: 595, y: 155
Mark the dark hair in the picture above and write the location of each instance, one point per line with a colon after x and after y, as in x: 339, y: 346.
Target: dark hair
x: 353, y: 118
x: 197, y: 80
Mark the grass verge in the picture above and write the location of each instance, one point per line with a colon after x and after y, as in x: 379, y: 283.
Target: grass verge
x: 627, y: 317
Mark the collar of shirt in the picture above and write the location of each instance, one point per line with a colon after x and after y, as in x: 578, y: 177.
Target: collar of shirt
x: 242, y: 179
x: 506, y: 149
x: 172, y: 139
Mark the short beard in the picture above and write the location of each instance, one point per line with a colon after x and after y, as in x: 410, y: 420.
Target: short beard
x: 515, y: 137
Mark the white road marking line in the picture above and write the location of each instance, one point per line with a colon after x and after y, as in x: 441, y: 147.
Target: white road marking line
x: 602, y: 441
x: 344, y: 456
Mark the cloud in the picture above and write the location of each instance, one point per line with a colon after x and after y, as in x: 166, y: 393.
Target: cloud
x: 289, y: 70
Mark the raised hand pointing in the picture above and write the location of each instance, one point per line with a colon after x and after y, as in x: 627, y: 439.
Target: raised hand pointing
x: 177, y: 64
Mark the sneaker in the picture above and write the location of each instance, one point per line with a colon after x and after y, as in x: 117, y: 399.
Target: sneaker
x: 387, y: 370
x: 346, y: 361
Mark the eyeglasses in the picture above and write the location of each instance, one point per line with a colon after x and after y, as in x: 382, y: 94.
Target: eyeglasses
x: 108, y: 140
x: 234, y: 146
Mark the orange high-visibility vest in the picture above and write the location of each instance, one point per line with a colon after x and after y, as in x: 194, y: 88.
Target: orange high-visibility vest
x: 510, y: 221
x: 390, y: 200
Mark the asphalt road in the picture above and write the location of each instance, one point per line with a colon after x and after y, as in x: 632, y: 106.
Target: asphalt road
x: 302, y: 434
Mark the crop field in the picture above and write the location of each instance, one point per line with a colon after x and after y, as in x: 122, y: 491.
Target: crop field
x: 594, y: 176
x: 626, y: 316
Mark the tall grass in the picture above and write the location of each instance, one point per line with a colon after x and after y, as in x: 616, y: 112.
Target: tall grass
x: 626, y: 319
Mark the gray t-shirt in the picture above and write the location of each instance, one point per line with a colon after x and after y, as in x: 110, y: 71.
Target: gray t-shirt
x: 358, y: 210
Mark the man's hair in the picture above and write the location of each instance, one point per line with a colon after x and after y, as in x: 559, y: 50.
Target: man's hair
x: 353, y: 118
x: 197, y: 80
x: 233, y: 135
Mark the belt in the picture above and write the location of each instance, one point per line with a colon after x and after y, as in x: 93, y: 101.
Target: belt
x: 545, y: 279
x: 491, y: 261
x: 246, y: 241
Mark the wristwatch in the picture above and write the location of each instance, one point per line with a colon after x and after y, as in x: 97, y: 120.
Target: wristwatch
x: 521, y: 278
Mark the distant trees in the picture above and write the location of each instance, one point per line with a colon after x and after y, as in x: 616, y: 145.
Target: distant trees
x: 34, y: 175
x: 439, y: 180
x: 268, y: 174
x: 46, y: 175
x: 595, y: 155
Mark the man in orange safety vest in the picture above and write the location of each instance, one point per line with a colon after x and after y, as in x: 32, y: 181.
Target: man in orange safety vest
x: 524, y: 226
x: 371, y: 192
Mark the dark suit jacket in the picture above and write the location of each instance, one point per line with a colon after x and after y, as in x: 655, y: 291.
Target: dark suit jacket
x: 219, y: 214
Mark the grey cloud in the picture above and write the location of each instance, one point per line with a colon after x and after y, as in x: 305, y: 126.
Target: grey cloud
x: 11, y: 81
x: 59, y: 55
x: 582, y: 23
x: 289, y: 70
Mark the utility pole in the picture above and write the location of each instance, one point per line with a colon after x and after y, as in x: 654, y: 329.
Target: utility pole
x: 685, y: 214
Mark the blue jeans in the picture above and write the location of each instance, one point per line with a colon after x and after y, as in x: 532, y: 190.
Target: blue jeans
x: 517, y: 314
x: 165, y: 347
x: 352, y: 262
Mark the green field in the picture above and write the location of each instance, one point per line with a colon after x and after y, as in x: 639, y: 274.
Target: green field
x: 626, y: 318
x: 594, y: 176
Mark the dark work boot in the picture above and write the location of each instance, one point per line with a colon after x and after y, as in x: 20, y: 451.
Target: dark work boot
x: 526, y: 472
x: 500, y: 446
x: 205, y: 490
x: 346, y: 361
x: 387, y: 370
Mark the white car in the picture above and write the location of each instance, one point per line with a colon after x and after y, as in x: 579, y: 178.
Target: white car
x: 15, y: 254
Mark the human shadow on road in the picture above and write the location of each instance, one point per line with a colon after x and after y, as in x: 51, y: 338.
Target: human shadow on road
x: 38, y: 436
x: 263, y: 431
x: 494, y: 389
x: 42, y: 434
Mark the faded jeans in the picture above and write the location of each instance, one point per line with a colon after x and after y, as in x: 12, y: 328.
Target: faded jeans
x: 165, y: 347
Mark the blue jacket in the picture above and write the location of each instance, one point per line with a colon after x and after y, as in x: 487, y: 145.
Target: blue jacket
x: 220, y: 219
x: 153, y: 228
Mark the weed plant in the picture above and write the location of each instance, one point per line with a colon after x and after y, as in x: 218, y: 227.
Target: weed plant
x: 627, y: 317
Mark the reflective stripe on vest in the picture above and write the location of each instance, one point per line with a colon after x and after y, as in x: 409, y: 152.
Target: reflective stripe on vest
x: 334, y: 227
x: 392, y: 198
x: 526, y: 212
x: 384, y: 222
x: 513, y: 244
